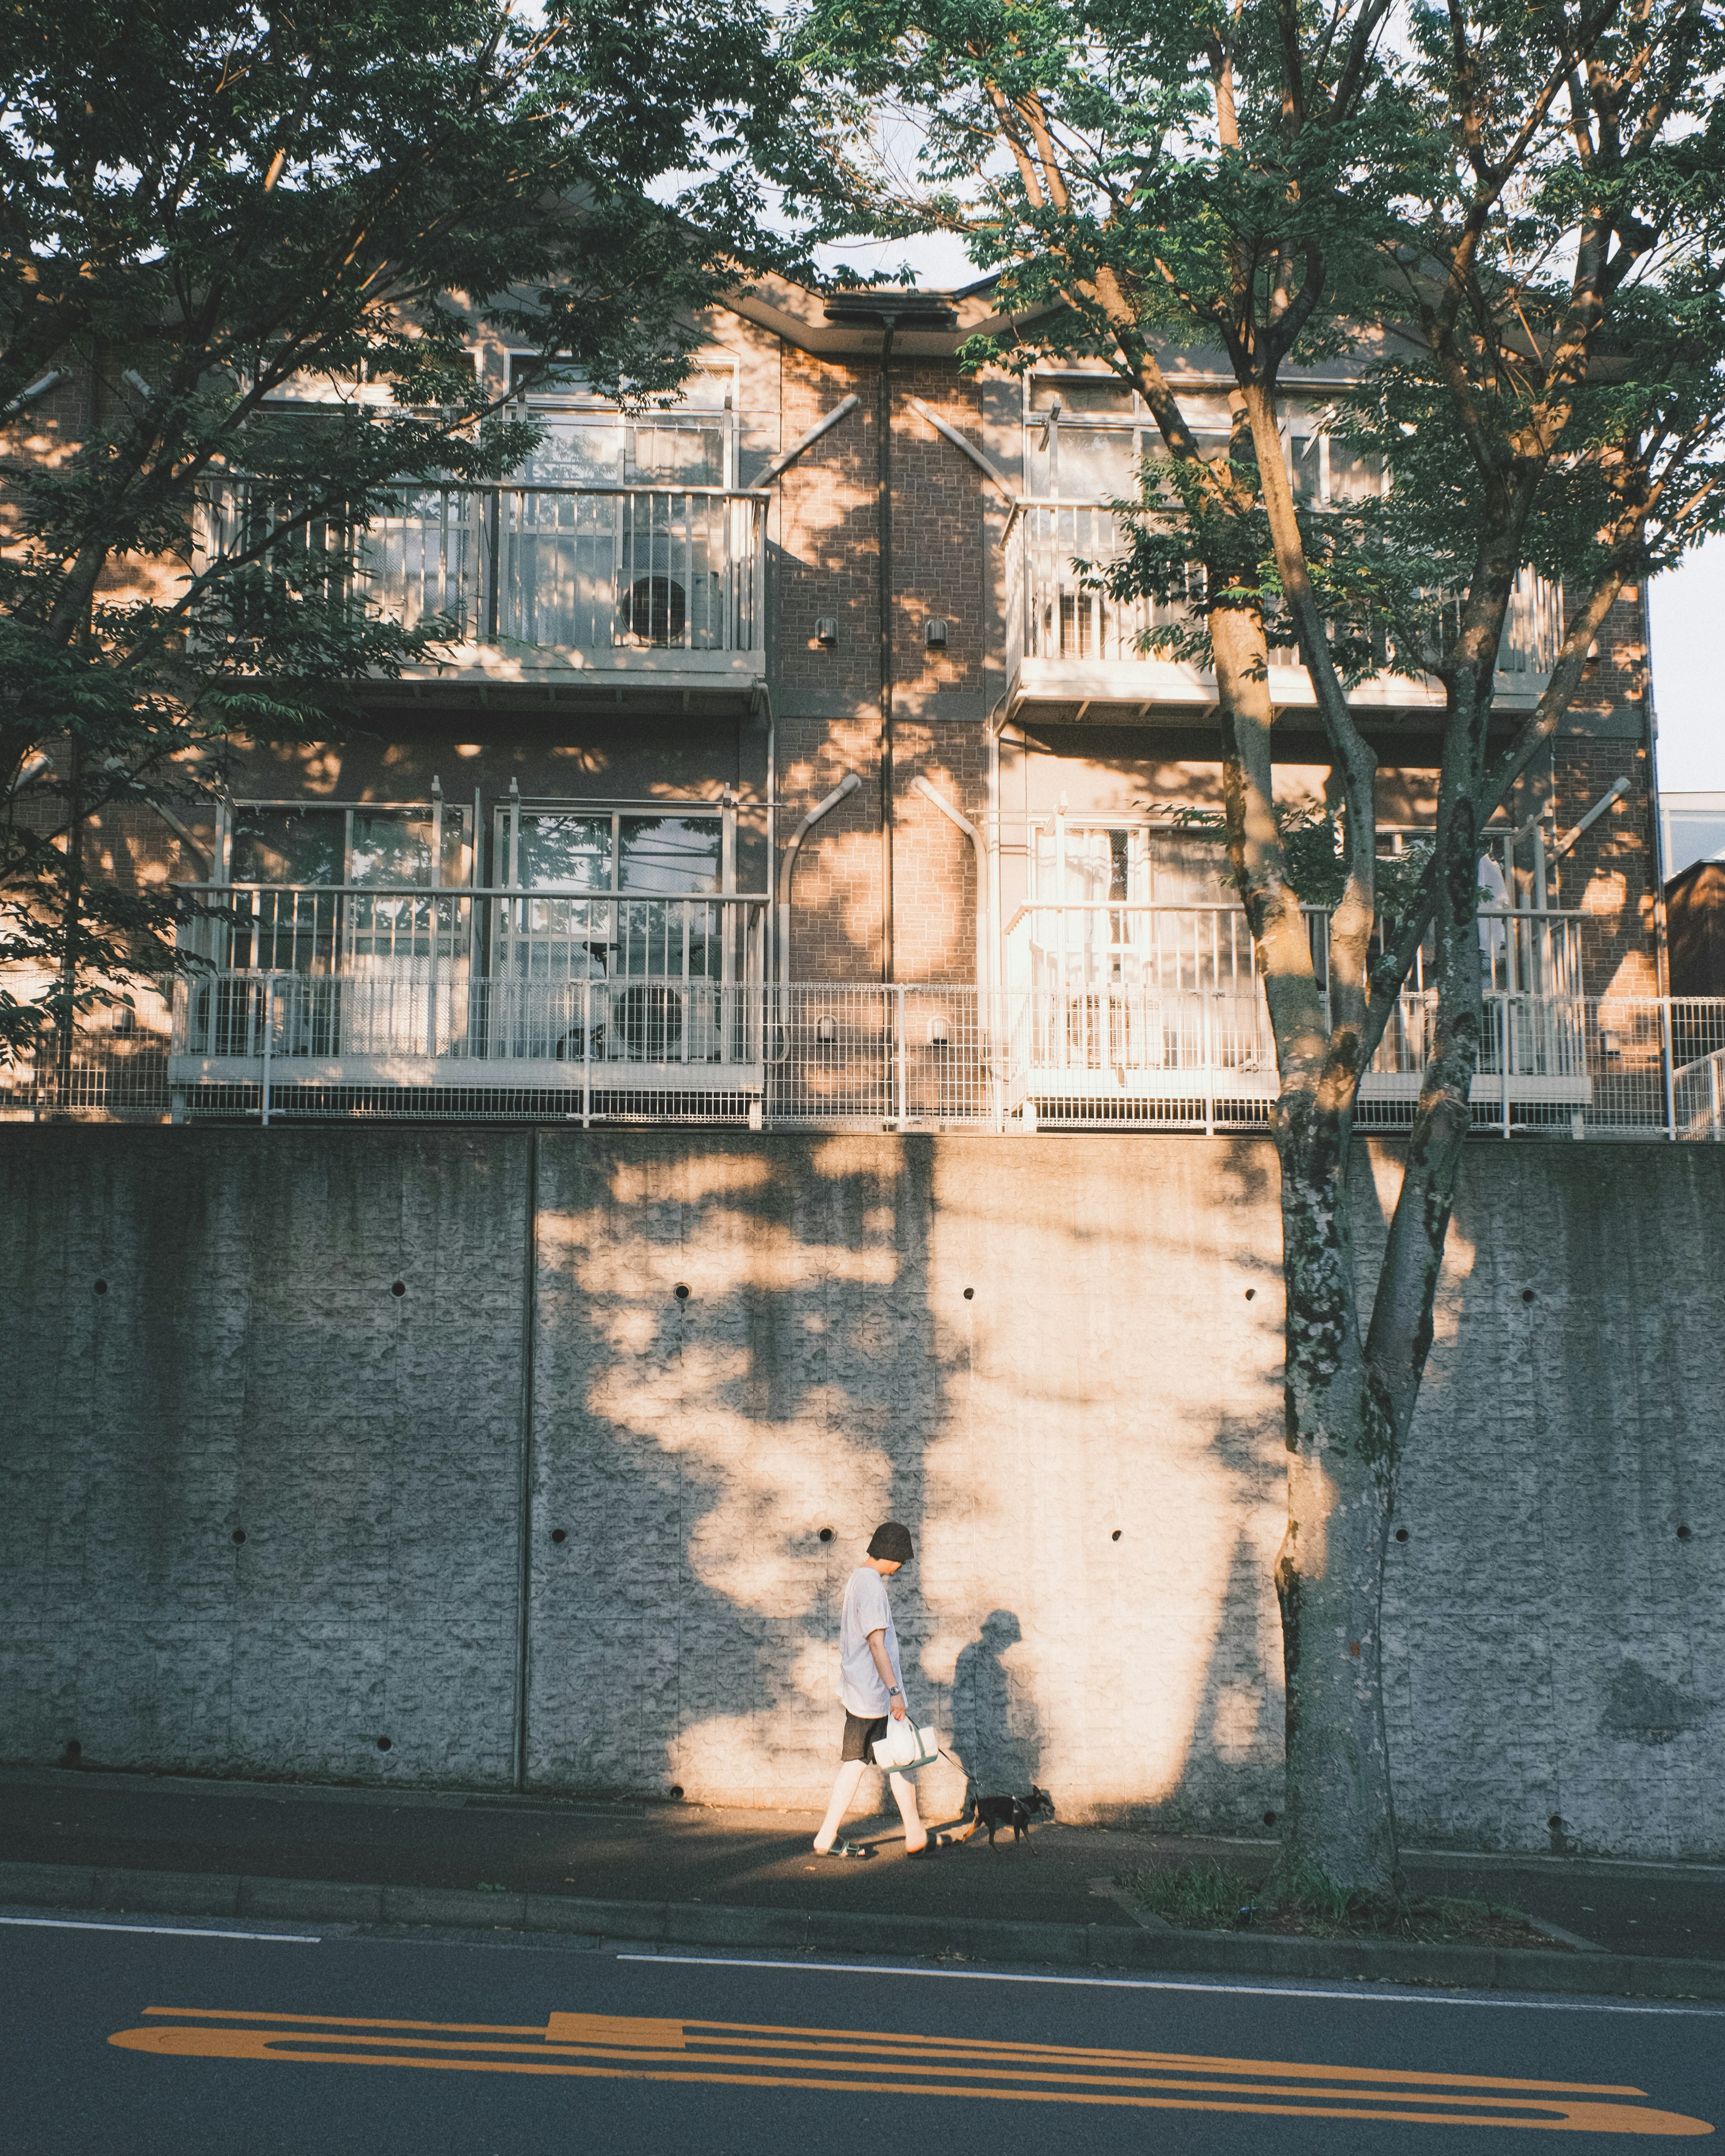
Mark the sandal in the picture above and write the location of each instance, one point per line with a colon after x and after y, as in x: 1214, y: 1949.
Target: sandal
x: 846, y: 1848
x: 932, y: 1847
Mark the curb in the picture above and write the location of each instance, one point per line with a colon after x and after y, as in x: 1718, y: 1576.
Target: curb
x: 76, y: 1886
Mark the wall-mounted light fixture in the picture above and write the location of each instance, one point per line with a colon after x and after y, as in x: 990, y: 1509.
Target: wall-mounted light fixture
x: 934, y: 633
x: 826, y: 629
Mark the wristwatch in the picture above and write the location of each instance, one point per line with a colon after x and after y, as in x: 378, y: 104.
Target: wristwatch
x: 893, y: 1692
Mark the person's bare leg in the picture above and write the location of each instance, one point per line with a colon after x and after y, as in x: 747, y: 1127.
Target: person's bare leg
x: 916, y: 1834
x: 843, y: 1796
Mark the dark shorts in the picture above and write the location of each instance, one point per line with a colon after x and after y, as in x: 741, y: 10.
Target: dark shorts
x: 859, y: 1734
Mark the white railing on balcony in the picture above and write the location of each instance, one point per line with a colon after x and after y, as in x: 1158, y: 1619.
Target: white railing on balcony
x: 582, y: 568
x: 280, y: 1045
x: 292, y: 1019
x: 1084, y: 944
x: 1058, y: 614
x: 386, y: 932
x: 285, y: 1045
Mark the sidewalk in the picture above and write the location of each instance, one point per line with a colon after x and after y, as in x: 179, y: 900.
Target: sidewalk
x: 626, y: 1852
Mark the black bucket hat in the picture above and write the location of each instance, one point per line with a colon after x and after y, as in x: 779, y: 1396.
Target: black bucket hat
x: 892, y: 1542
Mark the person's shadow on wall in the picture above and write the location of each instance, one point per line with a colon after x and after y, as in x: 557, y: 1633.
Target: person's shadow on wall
x: 996, y: 1732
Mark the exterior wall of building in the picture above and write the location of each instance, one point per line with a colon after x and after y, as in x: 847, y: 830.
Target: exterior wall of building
x: 1025, y: 1351
x: 580, y: 741
x: 1612, y: 871
x: 1696, y: 904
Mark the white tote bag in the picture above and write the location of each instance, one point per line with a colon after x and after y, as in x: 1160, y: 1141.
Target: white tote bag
x: 905, y: 1747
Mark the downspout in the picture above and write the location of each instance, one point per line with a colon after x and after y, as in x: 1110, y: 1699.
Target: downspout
x: 763, y: 704
x: 883, y: 511
x: 970, y: 831
x: 1613, y: 792
x: 1662, y: 920
x: 787, y: 868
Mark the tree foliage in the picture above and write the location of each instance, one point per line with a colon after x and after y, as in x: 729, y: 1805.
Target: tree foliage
x: 205, y: 201
x: 1506, y: 215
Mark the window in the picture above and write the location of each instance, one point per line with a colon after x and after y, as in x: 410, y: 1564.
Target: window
x: 1324, y: 469
x: 1073, y: 864
x: 624, y: 896
x: 290, y: 843
x: 590, y: 443
x: 648, y: 854
x: 1088, y: 437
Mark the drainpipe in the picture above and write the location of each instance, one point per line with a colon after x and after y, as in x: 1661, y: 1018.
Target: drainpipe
x: 1613, y: 792
x: 983, y: 953
x: 787, y: 868
x: 888, y: 323
x: 888, y: 312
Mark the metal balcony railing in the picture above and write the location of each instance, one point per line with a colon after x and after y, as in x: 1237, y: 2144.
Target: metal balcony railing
x: 393, y: 932
x: 279, y: 1045
x: 1082, y: 945
x: 1058, y: 615
x: 587, y: 569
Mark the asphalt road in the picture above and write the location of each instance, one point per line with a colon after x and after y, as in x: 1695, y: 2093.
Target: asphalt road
x: 180, y: 2042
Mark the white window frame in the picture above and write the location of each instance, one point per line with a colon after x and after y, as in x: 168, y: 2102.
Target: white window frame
x: 505, y: 841
x: 433, y: 807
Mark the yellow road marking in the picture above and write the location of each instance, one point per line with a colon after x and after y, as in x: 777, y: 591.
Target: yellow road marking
x: 764, y: 2055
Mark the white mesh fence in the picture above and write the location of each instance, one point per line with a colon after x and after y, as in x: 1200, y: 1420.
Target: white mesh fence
x: 425, y: 1041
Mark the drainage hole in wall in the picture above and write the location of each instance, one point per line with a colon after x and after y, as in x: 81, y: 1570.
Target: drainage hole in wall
x: 1527, y: 1294
x: 1401, y: 1534
x: 1682, y: 1534
x: 826, y: 1534
x: 73, y: 1750
x: 1251, y: 1295
x: 676, y: 1789
x: 1270, y: 1819
x: 397, y: 1287
x: 384, y: 1744
x: 560, y: 1534
x: 239, y: 1535
x: 681, y: 1291
x: 101, y: 1287
x: 970, y: 1295
x: 1115, y: 1536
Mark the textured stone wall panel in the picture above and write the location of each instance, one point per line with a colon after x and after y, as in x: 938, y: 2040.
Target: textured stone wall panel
x: 249, y: 1368
x: 1086, y: 1447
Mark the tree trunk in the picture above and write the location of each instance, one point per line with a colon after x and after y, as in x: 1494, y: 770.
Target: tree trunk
x: 67, y: 997
x: 1340, y: 1818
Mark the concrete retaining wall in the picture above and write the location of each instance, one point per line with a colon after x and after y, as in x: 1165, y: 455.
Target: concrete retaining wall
x: 1087, y: 1446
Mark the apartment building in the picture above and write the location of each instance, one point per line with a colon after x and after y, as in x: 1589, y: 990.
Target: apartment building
x: 691, y: 823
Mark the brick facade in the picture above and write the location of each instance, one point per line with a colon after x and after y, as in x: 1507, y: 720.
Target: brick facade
x: 823, y: 695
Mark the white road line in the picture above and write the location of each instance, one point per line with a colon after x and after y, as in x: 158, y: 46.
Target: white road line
x: 1376, y: 1998
x: 161, y: 1931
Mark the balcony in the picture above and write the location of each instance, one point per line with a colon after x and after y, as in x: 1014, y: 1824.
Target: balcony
x: 628, y: 588
x: 421, y: 1045
x: 1136, y: 1003
x: 1068, y: 645
x: 408, y: 989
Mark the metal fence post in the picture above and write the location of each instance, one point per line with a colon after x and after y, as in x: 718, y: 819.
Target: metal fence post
x: 431, y: 995
x: 901, y: 1082
x: 1671, y: 1084
x: 1506, y: 1045
x: 1209, y: 1067
x: 587, y: 1055
x: 269, y: 1043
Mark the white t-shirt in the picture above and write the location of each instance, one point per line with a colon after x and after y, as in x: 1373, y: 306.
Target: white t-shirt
x: 866, y: 1609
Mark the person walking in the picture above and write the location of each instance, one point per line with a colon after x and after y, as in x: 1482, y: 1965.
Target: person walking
x: 871, y: 1688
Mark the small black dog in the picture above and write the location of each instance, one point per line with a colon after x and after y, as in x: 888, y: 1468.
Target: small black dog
x: 995, y: 1813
